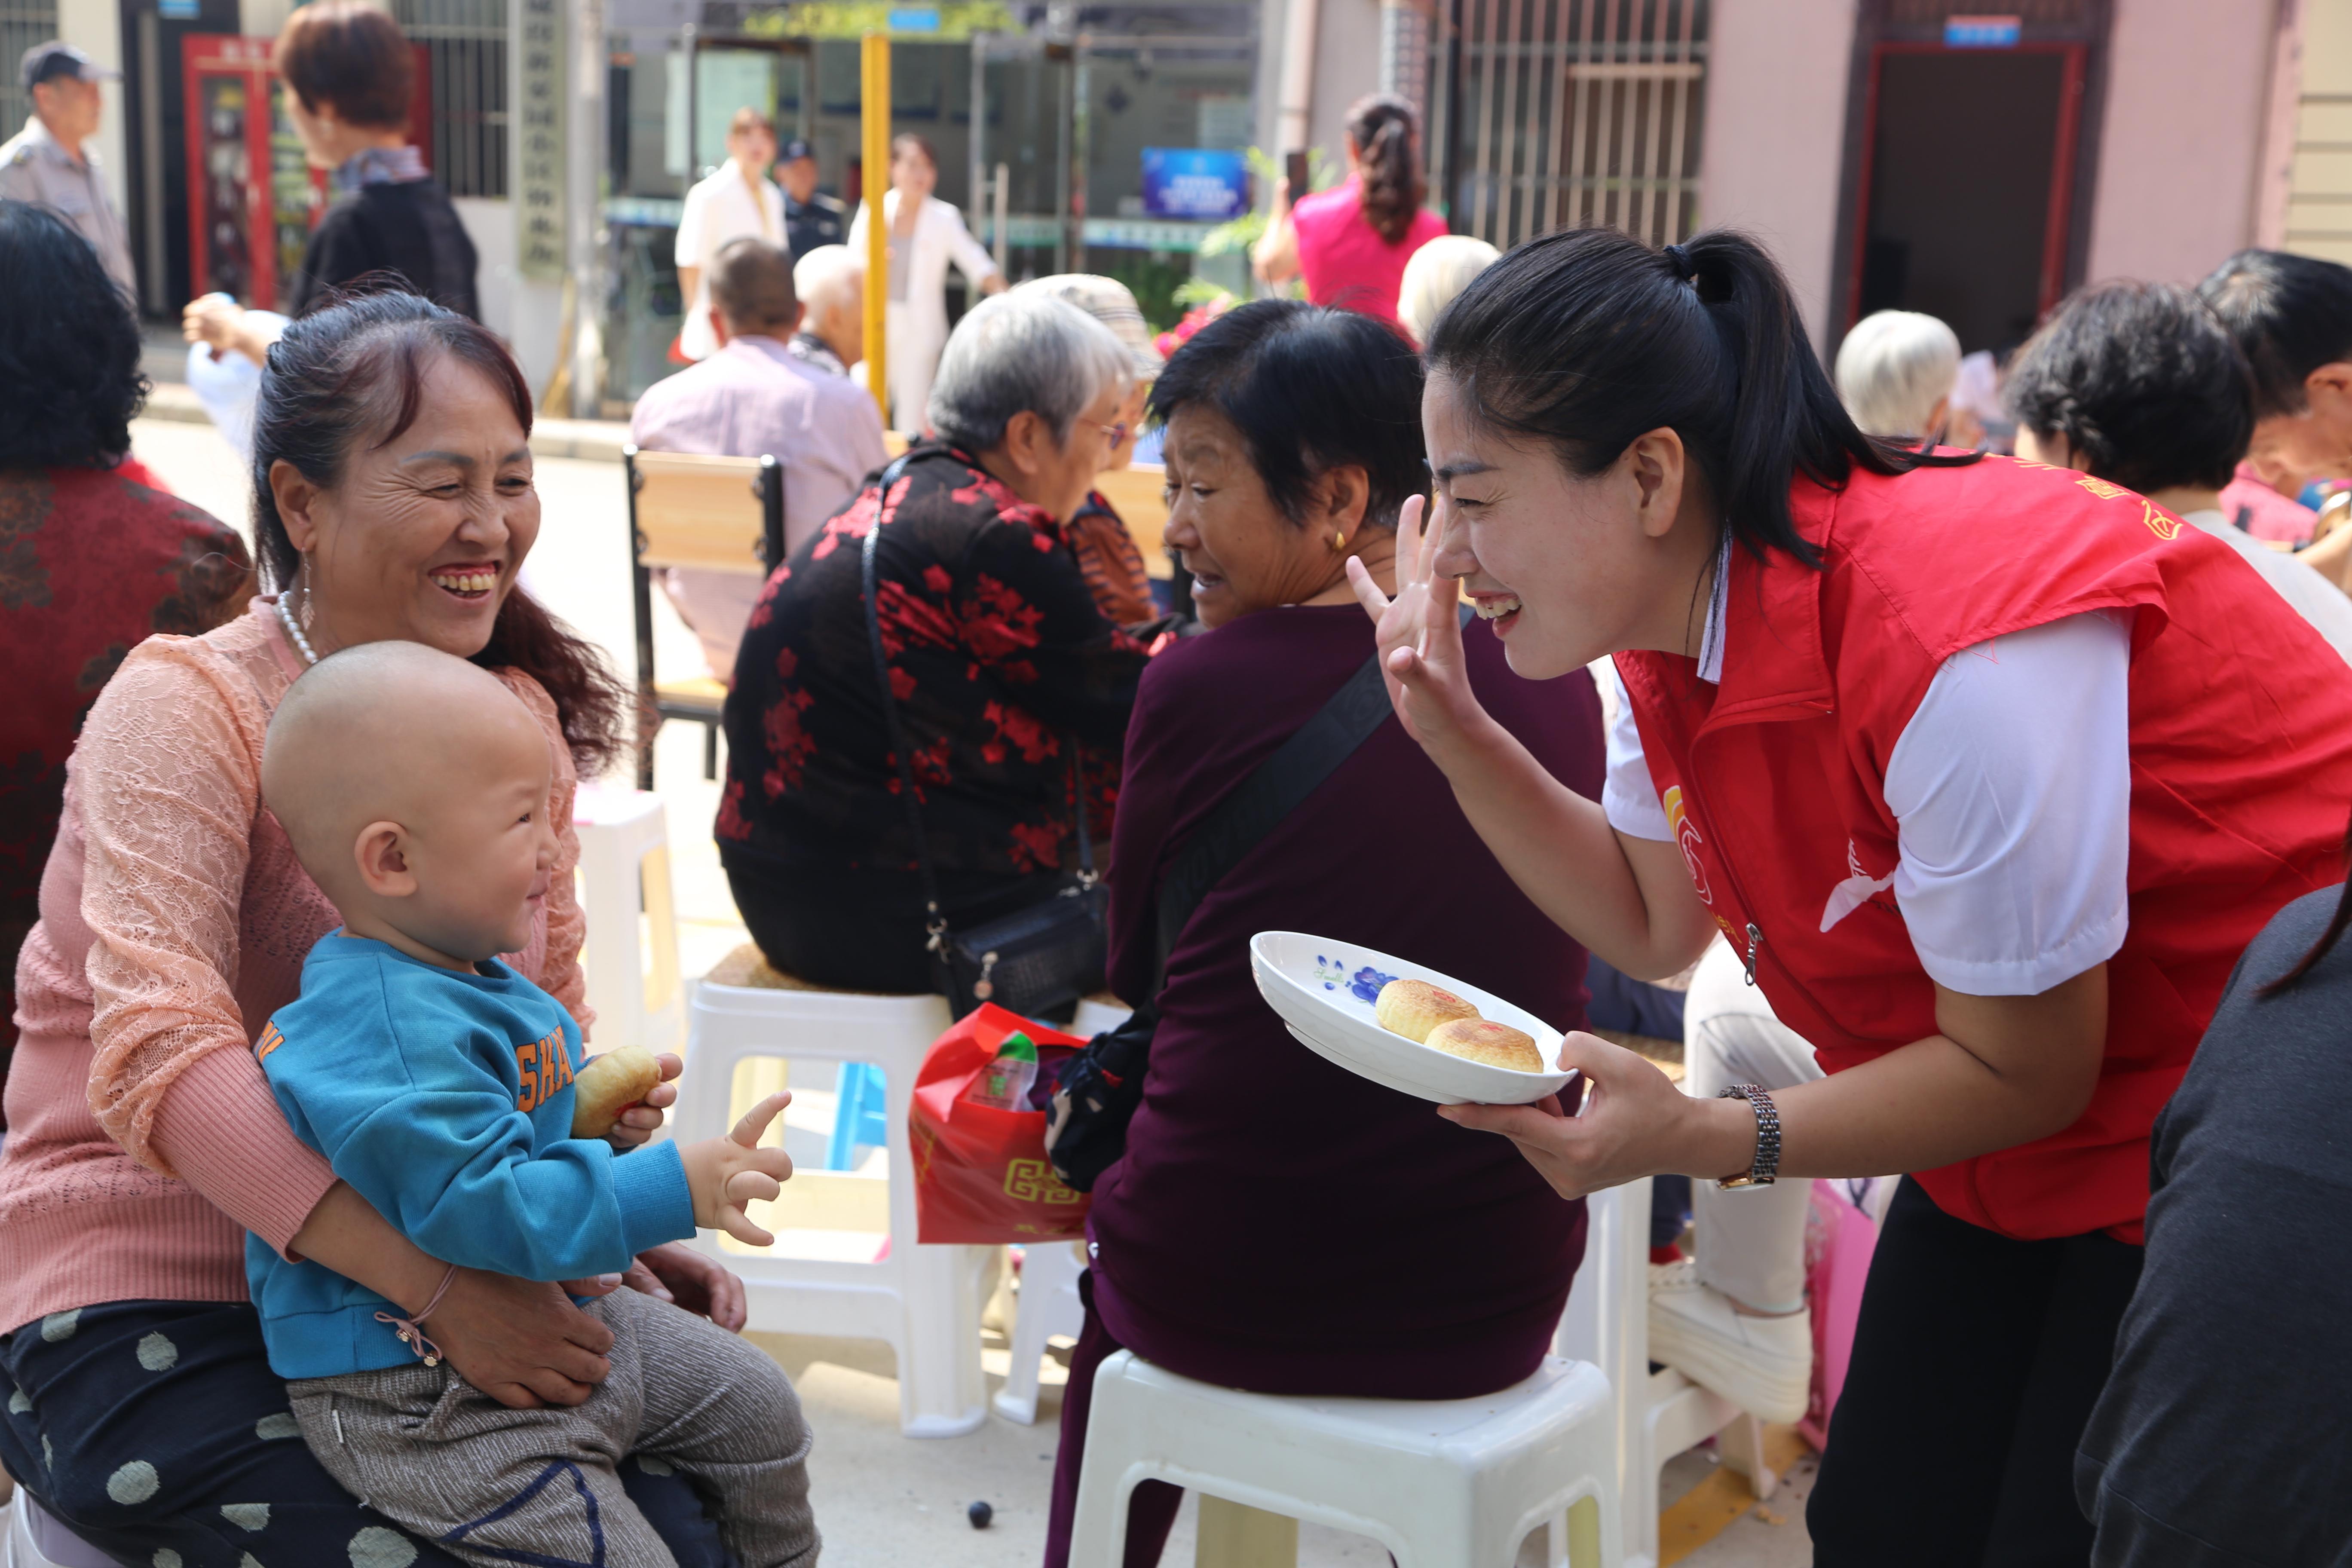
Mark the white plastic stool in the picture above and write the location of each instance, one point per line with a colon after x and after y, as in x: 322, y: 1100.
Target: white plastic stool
x: 1664, y: 1412
x: 1096, y: 1013
x: 924, y: 1301
x: 33, y: 1539
x: 1049, y: 1306
x: 623, y: 868
x: 1454, y: 1483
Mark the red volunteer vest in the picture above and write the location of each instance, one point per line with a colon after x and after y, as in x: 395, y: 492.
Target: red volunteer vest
x: 2240, y: 768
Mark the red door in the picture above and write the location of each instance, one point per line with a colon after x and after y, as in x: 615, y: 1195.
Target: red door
x: 1967, y: 186
x: 252, y: 198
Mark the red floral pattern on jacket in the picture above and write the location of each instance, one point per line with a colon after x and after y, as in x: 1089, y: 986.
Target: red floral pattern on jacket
x: 999, y: 656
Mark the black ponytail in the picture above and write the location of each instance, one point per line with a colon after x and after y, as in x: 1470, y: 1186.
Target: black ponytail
x: 1381, y: 128
x: 1588, y: 338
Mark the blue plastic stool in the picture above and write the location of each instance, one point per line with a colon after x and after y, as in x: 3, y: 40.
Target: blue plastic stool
x: 859, y: 1118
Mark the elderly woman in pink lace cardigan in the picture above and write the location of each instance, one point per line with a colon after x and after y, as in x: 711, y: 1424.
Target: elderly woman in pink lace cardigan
x: 393, y: 500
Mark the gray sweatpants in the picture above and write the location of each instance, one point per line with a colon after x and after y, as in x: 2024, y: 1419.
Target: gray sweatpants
x: 495, y: 1486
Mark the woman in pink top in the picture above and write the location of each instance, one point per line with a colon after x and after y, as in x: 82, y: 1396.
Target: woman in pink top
x: 1350, y: 242
x: 393, y: 500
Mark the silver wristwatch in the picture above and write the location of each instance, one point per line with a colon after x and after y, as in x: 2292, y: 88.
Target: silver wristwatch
x: 1767, y: 1138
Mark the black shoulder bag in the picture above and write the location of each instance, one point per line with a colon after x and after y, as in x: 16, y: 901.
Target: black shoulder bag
x: 1099, y: 1088
x: 1039, y: 961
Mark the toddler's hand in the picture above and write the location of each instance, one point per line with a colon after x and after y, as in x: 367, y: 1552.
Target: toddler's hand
x: 725, y: 1173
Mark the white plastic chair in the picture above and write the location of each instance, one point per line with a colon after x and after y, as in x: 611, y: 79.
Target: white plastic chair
x: 1454, y: 1483
x: 1662, y: 1413
x: 625, y: 869
x: 923, y: 1300
x: 1049, y: 1306
x: 1096, y: 1013
x: 31, y: 1538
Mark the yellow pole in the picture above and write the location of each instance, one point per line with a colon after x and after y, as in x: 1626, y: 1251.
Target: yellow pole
x: 875, y: 59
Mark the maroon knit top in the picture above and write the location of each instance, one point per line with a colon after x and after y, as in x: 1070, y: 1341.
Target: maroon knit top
x: 1279, y: 1223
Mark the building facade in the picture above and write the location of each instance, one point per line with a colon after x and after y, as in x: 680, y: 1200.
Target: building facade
x: 1891, y: 151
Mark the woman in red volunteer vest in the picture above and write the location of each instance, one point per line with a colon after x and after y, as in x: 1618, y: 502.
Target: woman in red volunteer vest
x: 1987, y: 770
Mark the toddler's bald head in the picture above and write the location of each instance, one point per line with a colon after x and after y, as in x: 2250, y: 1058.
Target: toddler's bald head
x: 392, y: 732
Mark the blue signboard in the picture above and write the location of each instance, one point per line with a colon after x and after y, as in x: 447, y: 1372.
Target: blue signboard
x: 1981, y: 32
x: 915, y: 19
x: 1194, y: 182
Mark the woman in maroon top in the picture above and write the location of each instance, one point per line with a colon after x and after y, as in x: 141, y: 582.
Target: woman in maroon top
x: 93, y: 559
x: 1279, y: 1223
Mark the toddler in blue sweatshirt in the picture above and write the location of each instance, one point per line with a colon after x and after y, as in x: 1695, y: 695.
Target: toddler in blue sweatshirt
x: 439, y: 1084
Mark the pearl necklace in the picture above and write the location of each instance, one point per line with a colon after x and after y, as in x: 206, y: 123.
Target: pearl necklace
x: 286, y: 619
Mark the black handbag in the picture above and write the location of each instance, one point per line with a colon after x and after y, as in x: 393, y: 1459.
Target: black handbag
x: 1039, y: 961
x: 1096, y: 1090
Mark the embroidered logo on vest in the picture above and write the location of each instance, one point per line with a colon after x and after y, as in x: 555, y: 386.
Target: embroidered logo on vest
x: 2163, y: 527
x: 1855, y: 891
x: 1686, y: 835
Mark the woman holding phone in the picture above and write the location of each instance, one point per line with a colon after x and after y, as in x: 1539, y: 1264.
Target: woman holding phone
x: 1988, y: 770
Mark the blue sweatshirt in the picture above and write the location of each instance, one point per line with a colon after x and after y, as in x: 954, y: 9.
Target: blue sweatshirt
x: 444, y: 1100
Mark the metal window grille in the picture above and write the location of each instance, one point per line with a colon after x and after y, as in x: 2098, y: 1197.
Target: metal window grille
x: 1578, y: 111
x: 23, y: 24
x: 467, y: 42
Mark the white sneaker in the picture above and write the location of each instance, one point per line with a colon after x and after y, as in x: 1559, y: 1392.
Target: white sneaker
x: 1764, y: 1365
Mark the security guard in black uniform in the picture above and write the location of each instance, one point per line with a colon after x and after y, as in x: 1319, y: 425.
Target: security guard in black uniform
x: 811, y: 217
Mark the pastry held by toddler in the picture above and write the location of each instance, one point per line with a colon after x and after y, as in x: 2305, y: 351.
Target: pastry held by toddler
x: 443, y: 1086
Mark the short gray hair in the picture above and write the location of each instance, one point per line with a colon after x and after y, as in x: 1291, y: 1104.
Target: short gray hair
x: 1023, y: 352
x: 1893, y: 368
x: 824, y: 276
x: 1434, y: 274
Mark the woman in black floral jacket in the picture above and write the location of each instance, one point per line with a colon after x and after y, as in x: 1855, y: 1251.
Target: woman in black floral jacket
x: 999, y: 658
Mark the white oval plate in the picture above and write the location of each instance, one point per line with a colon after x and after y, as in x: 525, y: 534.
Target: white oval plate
x: 1324, y: 992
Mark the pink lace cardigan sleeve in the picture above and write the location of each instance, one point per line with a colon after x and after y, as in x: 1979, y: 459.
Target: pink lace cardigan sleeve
x: 167, y: 780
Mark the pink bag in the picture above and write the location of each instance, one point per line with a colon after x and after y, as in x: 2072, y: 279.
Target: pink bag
x: 1840, y: 1237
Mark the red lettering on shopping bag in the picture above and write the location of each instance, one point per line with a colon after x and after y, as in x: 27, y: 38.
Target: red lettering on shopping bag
x: 981, y: 1173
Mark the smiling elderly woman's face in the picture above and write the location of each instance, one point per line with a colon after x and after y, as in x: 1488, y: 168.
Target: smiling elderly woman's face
x: 1243, y: 554
x: 419, y: 539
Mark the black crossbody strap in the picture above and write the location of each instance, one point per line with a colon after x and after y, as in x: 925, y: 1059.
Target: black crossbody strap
x: 933, y: 921
x: 1271, y: 793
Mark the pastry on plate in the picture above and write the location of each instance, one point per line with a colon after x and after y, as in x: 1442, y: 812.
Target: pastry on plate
x: 1482, y: 1040
x: 608, y: 1085
x: 1414, y: 1008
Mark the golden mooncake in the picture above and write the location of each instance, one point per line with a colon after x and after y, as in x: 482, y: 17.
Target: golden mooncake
x: 1414, y: 1008
x: 1482, y: 1040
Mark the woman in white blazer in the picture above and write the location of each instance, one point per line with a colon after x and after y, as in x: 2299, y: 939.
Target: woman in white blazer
x: 925, y: 234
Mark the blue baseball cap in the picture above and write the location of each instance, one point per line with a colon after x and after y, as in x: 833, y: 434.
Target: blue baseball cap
x: 47, y: 62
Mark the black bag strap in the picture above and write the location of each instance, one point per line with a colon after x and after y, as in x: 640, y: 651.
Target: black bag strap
x: 1275, y: 789
x: 934, y: 920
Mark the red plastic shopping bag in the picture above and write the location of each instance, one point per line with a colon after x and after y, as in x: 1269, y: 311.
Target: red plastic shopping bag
x: 981, y: 1173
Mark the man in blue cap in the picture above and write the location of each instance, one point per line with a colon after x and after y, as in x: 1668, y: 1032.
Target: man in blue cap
x: 50, y: 162
x: 811, y: 217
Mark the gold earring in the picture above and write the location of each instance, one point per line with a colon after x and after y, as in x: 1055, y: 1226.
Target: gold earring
x: 1338, y: 541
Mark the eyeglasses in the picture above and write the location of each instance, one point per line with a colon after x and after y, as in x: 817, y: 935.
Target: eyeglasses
x: 1116, y: 432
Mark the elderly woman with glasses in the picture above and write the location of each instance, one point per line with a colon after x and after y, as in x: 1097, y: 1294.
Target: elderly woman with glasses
x: 1002, y: 664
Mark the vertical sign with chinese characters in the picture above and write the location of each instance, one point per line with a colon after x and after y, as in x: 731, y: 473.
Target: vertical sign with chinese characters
x: 539, y: 161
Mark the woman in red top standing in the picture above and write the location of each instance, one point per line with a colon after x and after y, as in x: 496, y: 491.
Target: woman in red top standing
x: 1350, y: 242
x: 1987, y: 770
